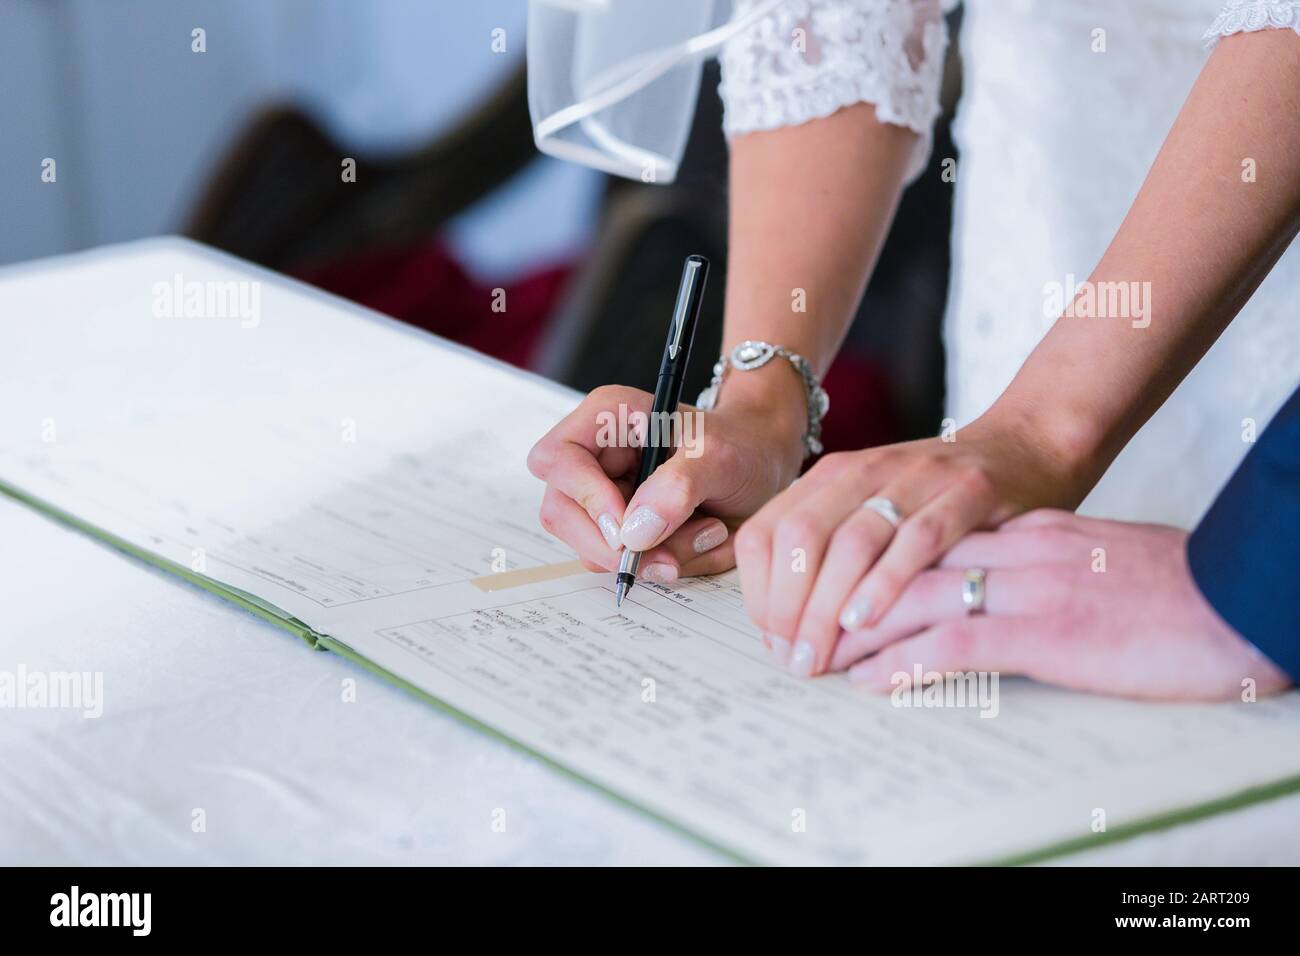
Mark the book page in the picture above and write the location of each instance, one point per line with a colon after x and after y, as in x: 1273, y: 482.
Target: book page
x: 318, y: 458
x: 672, y: 702
x: 359, y: 478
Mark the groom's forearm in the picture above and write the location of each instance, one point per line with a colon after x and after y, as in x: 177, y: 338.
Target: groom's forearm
x: 810, y: 206
x: 1219, y: 206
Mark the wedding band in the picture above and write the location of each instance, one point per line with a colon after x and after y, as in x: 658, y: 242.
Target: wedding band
x: 972, y: 590
x: 885, y: 508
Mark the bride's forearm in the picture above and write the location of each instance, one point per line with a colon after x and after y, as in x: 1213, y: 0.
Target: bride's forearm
x: 1219, y: 206
x: 810, y: 206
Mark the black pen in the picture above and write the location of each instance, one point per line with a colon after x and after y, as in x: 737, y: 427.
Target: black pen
x: 668, y: 393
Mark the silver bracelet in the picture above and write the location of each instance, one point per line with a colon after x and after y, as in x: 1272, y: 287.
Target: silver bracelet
x: 748, y: 356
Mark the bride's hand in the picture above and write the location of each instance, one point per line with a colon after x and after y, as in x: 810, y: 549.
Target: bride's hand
x: 814, y: 561
x: 738, y: 456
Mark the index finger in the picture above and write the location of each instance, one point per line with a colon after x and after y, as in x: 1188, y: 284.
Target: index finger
x: 921, y: 540
x: 573, y: 459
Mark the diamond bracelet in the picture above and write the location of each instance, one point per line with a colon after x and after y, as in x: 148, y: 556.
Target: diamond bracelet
x: 748, y: 356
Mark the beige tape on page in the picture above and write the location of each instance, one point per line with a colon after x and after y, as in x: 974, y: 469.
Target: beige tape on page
x: 514, y: 579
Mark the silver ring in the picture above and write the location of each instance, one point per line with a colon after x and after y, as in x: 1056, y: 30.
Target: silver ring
x: 972, y: 590
x: 885, y: 508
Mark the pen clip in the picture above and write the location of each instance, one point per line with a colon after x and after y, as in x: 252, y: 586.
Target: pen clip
x: 679, y: 310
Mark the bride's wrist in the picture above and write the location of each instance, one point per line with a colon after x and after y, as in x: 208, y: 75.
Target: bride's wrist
x: 773, y: 394
x: 1065, y: 446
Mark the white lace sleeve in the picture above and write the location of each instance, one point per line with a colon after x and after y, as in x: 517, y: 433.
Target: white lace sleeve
x: 1246, y: 16
x: 809, y: 58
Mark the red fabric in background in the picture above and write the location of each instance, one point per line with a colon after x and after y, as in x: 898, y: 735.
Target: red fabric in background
x: 426, y: 287
x: 862, y: 412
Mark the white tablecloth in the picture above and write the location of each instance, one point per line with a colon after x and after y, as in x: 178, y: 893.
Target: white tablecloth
x: 208, y: 708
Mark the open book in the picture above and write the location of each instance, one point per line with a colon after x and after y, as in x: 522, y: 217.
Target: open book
x: 363, y: 485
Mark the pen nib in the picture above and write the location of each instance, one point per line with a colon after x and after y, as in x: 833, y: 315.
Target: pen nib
x: 620, y: 591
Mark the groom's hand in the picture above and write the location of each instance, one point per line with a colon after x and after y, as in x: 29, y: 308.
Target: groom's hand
x: 1102, y: 606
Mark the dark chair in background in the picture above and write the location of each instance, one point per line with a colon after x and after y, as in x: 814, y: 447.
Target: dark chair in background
x: 279, y: 199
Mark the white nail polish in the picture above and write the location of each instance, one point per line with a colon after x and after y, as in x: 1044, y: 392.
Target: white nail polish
x: 709, y: 538
x: 659, y: 573
x: 642, y: 529
x: 780, y: 648
x: 802, y: 660
x: 609, y: 529
x: 856, y: 614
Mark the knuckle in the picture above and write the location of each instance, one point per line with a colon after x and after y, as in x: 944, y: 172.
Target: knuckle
x: 1050, y: 537
x: 887, y: 585
x: 838, y: 464
x: 867, y: 461
x: 952, y: 641
x: 753, y: 543
x: 549, y: 514
x: 833, y: 464
x: 885, y: 456
x: 587, y: 498
x: 1059, y: 594
x: 817, y: 627
x: 677, y: 486
x: 540, y: 458
x: 611, y: 396
x: 854, y: 538
x: 797, y: 528
x: 977, y: 480
x: 1051, y: 586
x: 927, y: 462
x: 783, y: 622
x: 1044, y: 518
x: 925, y: 532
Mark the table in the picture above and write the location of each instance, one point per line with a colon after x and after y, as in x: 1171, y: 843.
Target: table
x: 226, y: 740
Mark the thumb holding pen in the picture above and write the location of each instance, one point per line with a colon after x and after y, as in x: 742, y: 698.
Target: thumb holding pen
x: 741, y: 454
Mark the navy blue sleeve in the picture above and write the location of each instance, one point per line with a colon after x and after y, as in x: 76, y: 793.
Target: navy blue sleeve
x: 1245, y: 553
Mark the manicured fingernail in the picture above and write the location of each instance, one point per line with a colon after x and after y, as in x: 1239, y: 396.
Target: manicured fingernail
x: 609, y: 528
x: 856, y: 614
x: 659, y: 573
x: 780, y: 649
x: 710, y: 538
x: 802, y: 660
x: 642, y: 529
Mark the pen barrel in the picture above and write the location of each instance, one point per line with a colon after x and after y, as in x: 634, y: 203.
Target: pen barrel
x: 661, y: 428
x: 686, y: 316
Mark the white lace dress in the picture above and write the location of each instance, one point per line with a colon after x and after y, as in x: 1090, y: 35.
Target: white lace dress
x: 1055, y: 138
